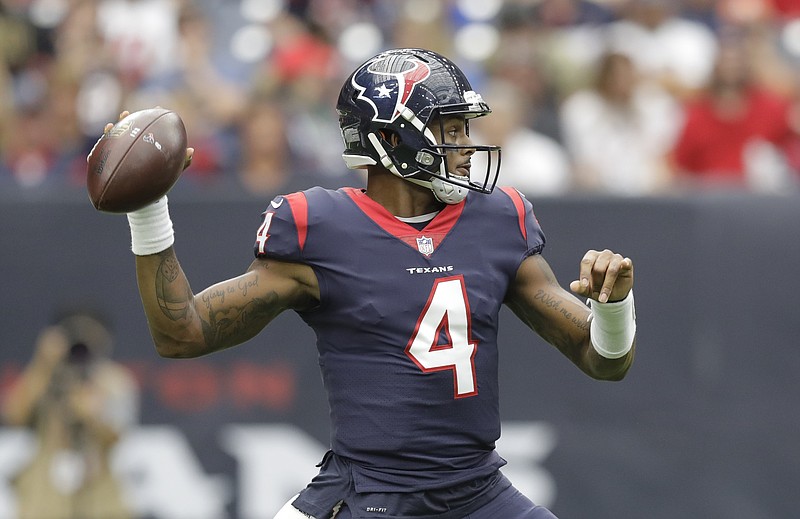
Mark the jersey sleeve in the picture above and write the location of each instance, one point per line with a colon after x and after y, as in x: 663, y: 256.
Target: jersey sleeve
x: 283, y: 230
x: 528, y: 224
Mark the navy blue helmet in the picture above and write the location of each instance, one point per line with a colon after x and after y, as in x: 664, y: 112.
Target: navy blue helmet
x: 404, y: 91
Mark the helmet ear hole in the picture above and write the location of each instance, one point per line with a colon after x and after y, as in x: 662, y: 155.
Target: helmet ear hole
x: 391, y: 137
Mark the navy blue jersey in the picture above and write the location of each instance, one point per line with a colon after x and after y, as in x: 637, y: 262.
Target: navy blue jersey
x: 407, y: 326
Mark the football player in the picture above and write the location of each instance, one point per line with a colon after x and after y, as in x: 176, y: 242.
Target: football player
x: 402, y: 283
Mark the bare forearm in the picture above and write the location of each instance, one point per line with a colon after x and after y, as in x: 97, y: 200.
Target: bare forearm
x: 187, y: 325
x: 169, y: 305
x: 563, y: 321
x: 568, y: 328
x: 603, y: 368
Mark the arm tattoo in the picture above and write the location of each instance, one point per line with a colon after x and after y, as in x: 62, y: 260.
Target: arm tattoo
x: 553, y: 302
x: 173, y: 301
x: 226, y: 322
x: 560, y: 334
x: 234, y: 313
x: 548, y: 300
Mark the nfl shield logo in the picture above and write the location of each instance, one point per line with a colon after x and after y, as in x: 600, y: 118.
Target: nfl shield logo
x: 425, y: 245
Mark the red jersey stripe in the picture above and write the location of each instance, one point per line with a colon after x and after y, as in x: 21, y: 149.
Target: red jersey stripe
x: 519, y: 205
x: 299, y: 206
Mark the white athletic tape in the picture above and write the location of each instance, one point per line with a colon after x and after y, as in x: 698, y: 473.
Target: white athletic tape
x: 151, y: 228
x: 613, y: 327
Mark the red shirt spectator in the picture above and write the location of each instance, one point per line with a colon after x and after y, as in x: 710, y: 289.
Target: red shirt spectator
x: 717, y: 132
x: 727, y: 127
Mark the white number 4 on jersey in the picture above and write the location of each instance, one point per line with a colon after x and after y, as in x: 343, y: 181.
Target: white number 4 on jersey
x: 447, y: 310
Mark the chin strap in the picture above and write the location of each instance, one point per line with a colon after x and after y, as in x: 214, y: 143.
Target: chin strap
x: 444, y: 191
x: 447, y: 192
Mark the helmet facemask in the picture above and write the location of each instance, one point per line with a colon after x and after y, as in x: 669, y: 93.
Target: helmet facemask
x: 448, y: 185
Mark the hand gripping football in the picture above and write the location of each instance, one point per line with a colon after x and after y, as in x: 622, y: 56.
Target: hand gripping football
x: 137, y: 161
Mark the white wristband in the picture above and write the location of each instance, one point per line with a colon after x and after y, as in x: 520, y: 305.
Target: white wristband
x: 151, y: 228
x: 613, y: 327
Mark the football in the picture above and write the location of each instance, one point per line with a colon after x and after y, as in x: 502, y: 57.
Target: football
x: 137, y: 161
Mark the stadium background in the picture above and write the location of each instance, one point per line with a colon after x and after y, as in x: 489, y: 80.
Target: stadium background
x: 704, y: 425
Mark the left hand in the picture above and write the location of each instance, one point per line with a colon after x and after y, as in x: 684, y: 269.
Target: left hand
x: 604, y: 276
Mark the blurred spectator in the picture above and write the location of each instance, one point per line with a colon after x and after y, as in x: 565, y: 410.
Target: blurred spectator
x: 78, y: 403
x: 96, y: 90
x: 43, y: 142
x: 679, y: 53
x: 532, y: 162
x: 563, y: 13
x: 29, y: 151
x: 522, y: 60
x: 66, y: 68
x: 17, y: 45
x: 566, y: 37
x: 419, y: 25
x: 738, y: 12
x: 210, y: 104
x: 786, y: 9
x: 300, y: 72
x: 619, y: 131
x: 141, y: 34
x: 265, y: 167
x: 735, y: 133
x: 702, y: 11
x: 26, y: 152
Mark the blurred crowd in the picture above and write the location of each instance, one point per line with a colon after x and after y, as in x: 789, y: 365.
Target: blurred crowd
x: 619, y: 97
